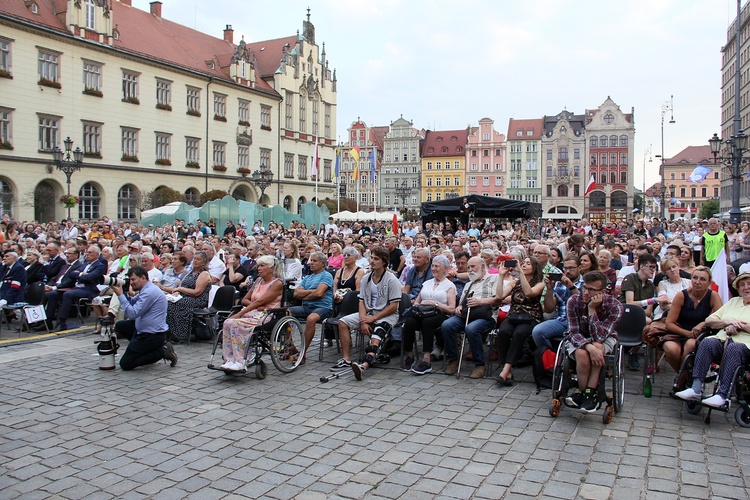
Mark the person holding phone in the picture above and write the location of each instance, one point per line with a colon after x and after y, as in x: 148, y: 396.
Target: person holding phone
x: 555, y: 299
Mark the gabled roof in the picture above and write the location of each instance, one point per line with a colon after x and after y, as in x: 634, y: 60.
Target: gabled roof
x: 534, y: 124
x: 145, y: 35
x: 691, y: 155
x: 576, y: 122
x: 437, y: 140
x: 268, y: 53
x: 380, y: 133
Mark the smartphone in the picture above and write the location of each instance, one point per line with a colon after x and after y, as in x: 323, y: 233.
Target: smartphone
x: 511, y: 263
x: 555, y: 276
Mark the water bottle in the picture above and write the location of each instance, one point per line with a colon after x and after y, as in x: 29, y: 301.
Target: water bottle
x: 648, y: 389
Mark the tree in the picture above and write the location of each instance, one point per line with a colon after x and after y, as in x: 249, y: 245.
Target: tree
x: 159, y: 197
x: 333, y: 205
x: 638, y: 203
x: 214, y: 194
x: 709, y: 208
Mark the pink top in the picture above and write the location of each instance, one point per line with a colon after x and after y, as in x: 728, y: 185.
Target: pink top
x: 260, y: 288
x: 336, y: 262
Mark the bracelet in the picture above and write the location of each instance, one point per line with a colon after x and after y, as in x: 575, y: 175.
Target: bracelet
x: 646, y: 303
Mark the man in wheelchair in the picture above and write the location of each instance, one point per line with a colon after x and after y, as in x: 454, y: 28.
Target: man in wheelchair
x: 379, y: 299
x: 592, y: 318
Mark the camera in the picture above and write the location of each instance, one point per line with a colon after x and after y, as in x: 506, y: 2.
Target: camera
x: 511, y: 263
x: 555, y: 276
x: 114, y: 281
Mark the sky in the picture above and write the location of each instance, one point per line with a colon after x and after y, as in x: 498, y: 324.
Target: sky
x: 446, y: 65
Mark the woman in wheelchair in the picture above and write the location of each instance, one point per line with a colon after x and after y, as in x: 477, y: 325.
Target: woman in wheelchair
x: 729, y: 347
x: 264, y: 294
x: 687, y: 317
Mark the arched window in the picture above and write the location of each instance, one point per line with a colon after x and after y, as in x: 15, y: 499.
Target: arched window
x: 127, y: 201
x: 604, y: 178
x: 6, y: 198
x: 623, y: 141
x: 623, y: 177
x: 192, y: 196
x: 288, y: 203
x: 89, y: 207
x: 619, y: 199
x: 597, y: 199
x: 603, y: 141
x: 562, y: 190
x: 613, y: 141
x: 301, y: 201
x: 594, y: 141
x: 613, y: 178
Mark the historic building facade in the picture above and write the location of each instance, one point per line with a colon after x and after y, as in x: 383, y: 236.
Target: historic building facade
x: 359, y: 175
x: 610, y: 150
x: 485, y: 160
x: 563, y: 144
x: 400, y: 170
x: 444, y: 164
x: 152, y: 103
x: 522, y: 155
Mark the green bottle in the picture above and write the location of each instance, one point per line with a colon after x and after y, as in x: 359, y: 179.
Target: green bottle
x: 647, y: 389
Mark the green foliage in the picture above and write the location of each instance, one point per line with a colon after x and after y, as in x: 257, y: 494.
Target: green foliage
x: 346, y: 204
x: 160, y: 197
x: 709, y: 208
x: 214, y: 194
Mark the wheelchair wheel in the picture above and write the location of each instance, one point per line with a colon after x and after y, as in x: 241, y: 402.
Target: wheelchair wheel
x: 618, y: 380
x: 554, y: 409
x: 287, y: 344
x: 693, y: 408
x: 608, y: 413
x: 742, y: 416
x: 261, y: 370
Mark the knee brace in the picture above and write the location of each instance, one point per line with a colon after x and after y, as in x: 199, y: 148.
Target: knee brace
x: 371, y: 353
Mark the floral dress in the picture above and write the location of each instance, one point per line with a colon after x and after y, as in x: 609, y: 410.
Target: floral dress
x: 237, y: 331
x: 180, y: 313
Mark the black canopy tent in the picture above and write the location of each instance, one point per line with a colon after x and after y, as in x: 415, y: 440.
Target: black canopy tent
x: 485, y: 207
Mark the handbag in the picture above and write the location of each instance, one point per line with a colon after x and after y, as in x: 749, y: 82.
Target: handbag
x: 420, y: 311
x: 655, y: 334
x: 478, y: 312
x: 520, y: 317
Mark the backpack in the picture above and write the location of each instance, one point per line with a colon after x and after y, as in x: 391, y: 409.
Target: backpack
x: 543, y: 367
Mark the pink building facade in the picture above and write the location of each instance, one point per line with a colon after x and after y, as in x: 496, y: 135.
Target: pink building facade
x: 485, y: 160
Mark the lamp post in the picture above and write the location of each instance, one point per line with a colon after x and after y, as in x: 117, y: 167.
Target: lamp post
x: 646, y: 152
x: 68, y: 161
x: 667, y: 106
x: 262, y: 178
x: 403, y: 191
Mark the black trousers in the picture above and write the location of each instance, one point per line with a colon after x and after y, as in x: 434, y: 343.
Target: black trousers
x: 143, y: 349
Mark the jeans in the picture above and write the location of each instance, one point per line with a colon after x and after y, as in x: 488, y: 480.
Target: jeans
x: 548, y: 330
x: 510, y: 339
x: 473, y: 332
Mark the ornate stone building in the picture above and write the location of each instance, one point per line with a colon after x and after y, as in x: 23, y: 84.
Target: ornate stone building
x: 485, y: 165
x: 443, y: 164
x: 362, y: 176
x: 152, y: 103
x: 563, y: 178
x: 401, y: 166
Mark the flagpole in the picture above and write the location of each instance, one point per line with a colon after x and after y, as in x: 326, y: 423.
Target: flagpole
x: 338, y: 177
x: 316, y: 161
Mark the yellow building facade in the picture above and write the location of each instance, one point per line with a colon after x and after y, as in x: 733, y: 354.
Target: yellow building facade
x: 444, y: 165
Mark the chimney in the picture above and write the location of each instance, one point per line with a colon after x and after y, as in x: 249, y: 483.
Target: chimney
x: 156, y: 8
x: 127, y: 2
x: 229, y: 34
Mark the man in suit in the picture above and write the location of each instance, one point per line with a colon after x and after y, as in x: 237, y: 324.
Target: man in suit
x: 12, y: 279
x: 87, y: 278
x: 55, y: 261
x: 63, y: 281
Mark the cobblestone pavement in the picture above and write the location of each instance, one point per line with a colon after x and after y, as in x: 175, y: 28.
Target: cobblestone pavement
x: 70, y: 430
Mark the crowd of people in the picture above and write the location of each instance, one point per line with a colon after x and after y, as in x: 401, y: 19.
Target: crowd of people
x: 531, y: 280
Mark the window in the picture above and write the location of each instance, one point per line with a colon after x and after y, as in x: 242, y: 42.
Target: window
x: 220, y: 107
x: 130, y: 87
x: 594, y: 141
x: 682, y: 192
x: 456, y: 181
x: 129, y: 144
x: 265, y: 117
x: 437, y: 181
x: 485, y: 181
x: 603, y: 141
x: 576, y: 154
x: 302, y: 113
x: 486, y: 137
x: 623, y: 141
x: 49, y: 132
x: 127, y: 200
x: 498, y: 166
x: 243, y: 112
x: 5, y: 59
x: 163, y: 148
x: 623, y: 177
x: 243, y: 157
x: 163, y: 94
x: 486, y: 166
x: 498, y: 181
x: 486, y: 152
x: 88, y: 208
x: 92, y: 76
x: 6, y: 128
x: 438, y: 196
x: 219, y: 154
x: 288, y: 110
x: 457, y: 165
x: 90, y: 8
x: 6, y: 197
x: 447, y: 181
x: 49, y: 71
x: 388, y: 200
x: 549, y: 170
x: 612, y: 141
x: 302, y: 168
x: 438, y: 165
x: 576, y: 170
x: 92, y: 139
x: 549, y: 154
x: 613, y: 178
x: 472, y: 181
x: 474, y: 152
x: 326, y: 171
x: 604, y: 159
x: 429, y: 165
x: 315, y: 113
x: 593, y: 159
x: 576, y: 190
x: 192, y: 151
x: 562, y: 190
x: 429, y: 181
x: 327, y: 118
x: 288, y: 165
x: 193, y: 101
x: 549, y: 191
x: 613, y: 159
x: 265, y: 157
x: 562, y: 154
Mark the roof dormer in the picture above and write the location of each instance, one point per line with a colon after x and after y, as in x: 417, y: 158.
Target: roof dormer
x: 90, y: 19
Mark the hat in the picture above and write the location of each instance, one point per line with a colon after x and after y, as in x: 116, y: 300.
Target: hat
x: 739, y: 278
x: 150, y: 225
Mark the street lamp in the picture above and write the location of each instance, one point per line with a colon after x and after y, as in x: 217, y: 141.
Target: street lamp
x: 68, y: 161
x: 262, y: 178
x: 736, y: 147
x: 403, y: 191
x: 646, y: 152
x: 667, y: 106
x: 451, y: 194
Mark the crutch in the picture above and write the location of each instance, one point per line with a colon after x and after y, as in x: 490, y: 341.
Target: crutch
x: 335, y: 375
x: 707, y: 420
x: 463, y: 341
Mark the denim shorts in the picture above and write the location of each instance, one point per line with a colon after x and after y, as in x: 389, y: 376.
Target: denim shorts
x: 303, y: 311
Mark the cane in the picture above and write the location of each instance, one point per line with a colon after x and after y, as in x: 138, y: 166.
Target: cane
x: 463, y: 341
x: 707, y: 420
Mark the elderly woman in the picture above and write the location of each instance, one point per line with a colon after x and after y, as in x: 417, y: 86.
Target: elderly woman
x: 686, y: 317
x: 729, y: 347
x: 173, y: 275
x: 603, y: 260
x: 347, y: 277
x: 489, y: 257
x: 439, y: 292
x: 525, y: 289
x: 34, y: 267
x: 264, y: 294
x: 193, y: 292
x: 336, y: 260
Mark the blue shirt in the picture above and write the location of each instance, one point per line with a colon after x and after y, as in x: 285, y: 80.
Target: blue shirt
x: 311, y: 282
x: 563, y: 294
x: 148, y: 308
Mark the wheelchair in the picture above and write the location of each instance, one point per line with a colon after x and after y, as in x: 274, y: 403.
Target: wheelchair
x: 279, y: 336
x: 740, y: 386
x: 564, y: 377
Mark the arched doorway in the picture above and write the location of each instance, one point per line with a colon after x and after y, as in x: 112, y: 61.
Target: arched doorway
x: 7, y: 199
x: 243, y: 192
x: 127, y: 202
x: 288, y: 203
x: 300, y: 201
x: 192, y: 196
x: 45, y: 201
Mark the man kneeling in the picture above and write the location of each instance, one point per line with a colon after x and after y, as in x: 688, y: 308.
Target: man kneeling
x: 592, y: 319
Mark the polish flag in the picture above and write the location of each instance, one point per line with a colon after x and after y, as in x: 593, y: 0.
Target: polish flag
x: 720, y: 283
x: 590, y: 186
x: 316, y: 160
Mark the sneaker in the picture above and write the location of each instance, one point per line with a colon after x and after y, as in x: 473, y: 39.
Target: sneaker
x: 589, y: 403
x: 575, y: 400
x: 341, y: 364
x: 633, y: 362
x: 436, y: 354
x: 422, y: 368
x: 688, y: 395
x: 358, y: 370
x: 452, y: 368
x: 408, y: 363
x: 715, y: 401
x: 169, y: 354
x: 477, y: 372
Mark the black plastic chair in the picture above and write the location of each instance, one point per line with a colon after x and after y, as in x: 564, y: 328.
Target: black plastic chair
x: 349, y: 305
x: 33, y: 296
x: 630, y: 331
x: 220, y: 309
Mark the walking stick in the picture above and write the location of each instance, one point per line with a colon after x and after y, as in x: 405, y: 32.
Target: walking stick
x: 463, y: 341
